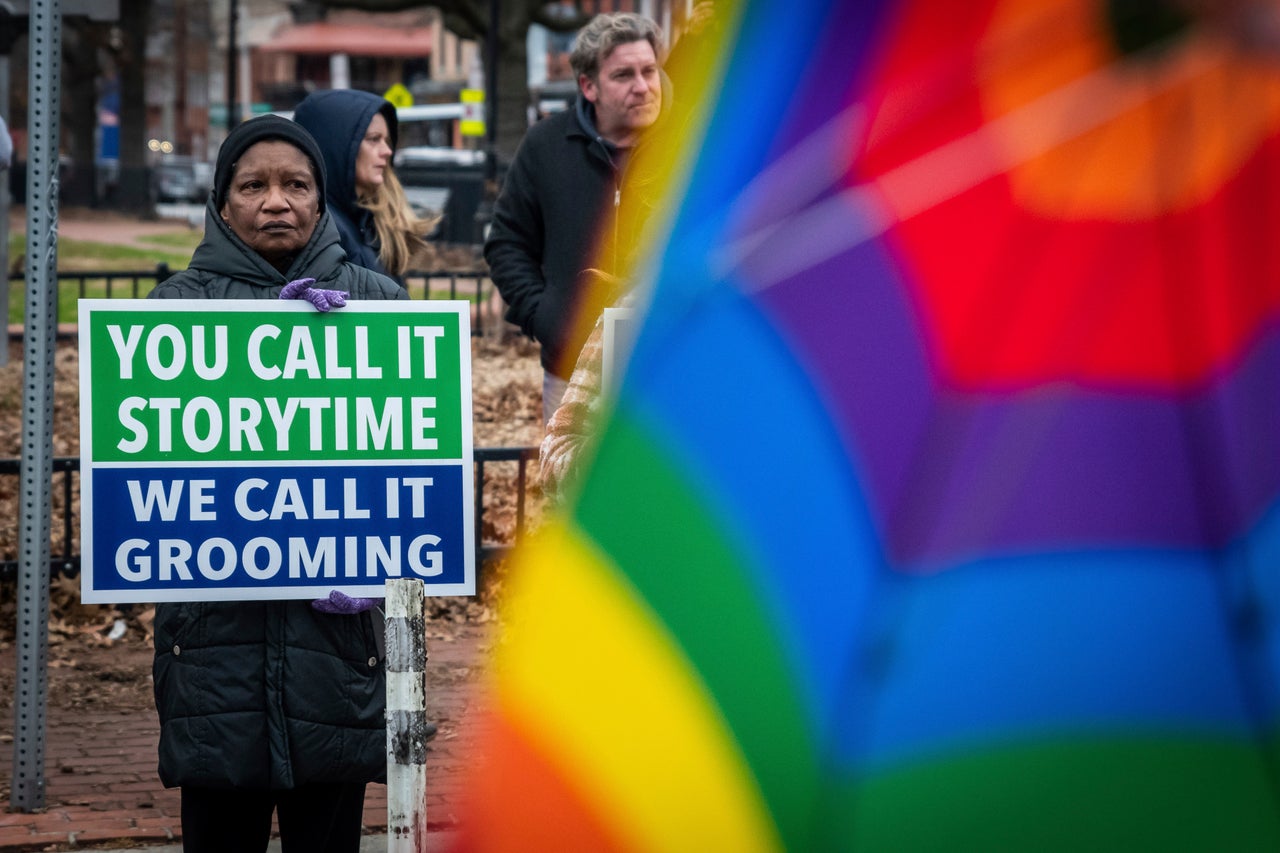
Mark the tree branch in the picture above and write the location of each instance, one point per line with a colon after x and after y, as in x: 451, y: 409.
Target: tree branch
x: 374, y: 5
x: 539, y: 15
x: 468, y: 20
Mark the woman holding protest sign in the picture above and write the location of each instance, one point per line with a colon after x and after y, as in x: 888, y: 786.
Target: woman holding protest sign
x: 271, y: 706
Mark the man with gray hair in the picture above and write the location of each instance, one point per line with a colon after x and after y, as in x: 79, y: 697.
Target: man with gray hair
x: 564, y: 194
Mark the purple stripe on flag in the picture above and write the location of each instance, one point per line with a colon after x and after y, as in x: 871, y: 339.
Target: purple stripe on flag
x: 955, y: 475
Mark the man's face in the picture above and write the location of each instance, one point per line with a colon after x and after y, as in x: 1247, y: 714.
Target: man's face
x: 272, y: 203
x: 627, y: 92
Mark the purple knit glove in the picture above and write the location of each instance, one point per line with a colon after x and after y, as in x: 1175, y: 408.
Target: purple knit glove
x: 341, y: 603
x: 322, y: 299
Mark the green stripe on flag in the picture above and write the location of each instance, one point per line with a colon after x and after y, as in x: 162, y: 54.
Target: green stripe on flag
x: 1132, y: 794
x: 643, y: 513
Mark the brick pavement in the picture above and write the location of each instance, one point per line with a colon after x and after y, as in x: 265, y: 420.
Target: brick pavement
x: 102, y: 789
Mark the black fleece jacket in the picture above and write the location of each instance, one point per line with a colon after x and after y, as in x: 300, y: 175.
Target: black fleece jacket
x: 564, y: 186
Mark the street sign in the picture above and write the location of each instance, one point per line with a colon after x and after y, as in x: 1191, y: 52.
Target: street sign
x: 472, y: 123
x: 237, y: 450
x: 399, y: 95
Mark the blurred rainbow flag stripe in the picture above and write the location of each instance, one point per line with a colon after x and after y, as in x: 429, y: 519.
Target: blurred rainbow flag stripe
x: 937, y: 509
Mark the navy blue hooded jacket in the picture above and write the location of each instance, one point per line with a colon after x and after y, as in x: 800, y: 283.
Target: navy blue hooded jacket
x: 339, y: 119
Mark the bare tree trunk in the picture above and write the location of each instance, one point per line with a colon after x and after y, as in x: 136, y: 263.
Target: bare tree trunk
x: 135, y: 20
x: 512, y: 89
x: 79, y: 109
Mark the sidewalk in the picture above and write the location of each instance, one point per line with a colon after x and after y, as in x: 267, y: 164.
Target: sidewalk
x: 102, y: 791
x: 103, y: 226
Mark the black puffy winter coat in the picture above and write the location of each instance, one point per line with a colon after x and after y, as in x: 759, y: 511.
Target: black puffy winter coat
x: 268, y: 695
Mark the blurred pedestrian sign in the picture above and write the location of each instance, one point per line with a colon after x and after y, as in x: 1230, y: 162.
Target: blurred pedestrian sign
x: 472, y: 123
x: 247, y: 449
x: 399, y: 95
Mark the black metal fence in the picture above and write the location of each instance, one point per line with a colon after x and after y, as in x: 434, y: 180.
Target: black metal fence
x: 105, y: 284
x: 475, y: 287
x: 472, y: 285
x: 65, y: 560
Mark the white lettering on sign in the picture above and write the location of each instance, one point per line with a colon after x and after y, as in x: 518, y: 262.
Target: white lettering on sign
x: 417, y: 491
x: 201, y: 500
x: 342, y: 359
x: 262, y: 559
x: 245, y: 416
x: 429, y: 335
x: 421, y: 424
x: 255, y: 501
x: 364, y: 370
x: 156, y: 497
x: 166, y: 351
x: 369, y: 423
x: 243, y: 497
x: 282, y: 419
x: 256, y: 364
x: 301, y: 357
x: 202, y: 425
x: 125, y: 347
x: 206, y: 440
x: 166, y: 333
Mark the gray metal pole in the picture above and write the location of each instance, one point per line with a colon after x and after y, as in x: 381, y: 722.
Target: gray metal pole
x: 4, y: 211
x: 37, y: 404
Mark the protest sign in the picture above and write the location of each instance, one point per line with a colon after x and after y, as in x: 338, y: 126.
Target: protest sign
x: 264, y: 450
x: 621, y: 325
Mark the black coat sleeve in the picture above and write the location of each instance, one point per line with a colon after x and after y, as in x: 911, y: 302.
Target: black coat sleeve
x: 514, y: 247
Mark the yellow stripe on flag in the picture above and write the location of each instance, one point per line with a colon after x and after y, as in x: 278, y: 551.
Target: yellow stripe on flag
x: 595, y: 677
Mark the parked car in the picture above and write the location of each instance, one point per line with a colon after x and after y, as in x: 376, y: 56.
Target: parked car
x: 448, y: 181
x: 180, y: 178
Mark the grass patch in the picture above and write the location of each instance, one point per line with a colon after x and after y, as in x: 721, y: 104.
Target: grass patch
x: 183, y: 241
x: 69, y: 291
x: 173, y: 248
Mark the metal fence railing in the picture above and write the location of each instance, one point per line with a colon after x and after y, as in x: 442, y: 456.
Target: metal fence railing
x: 105, y: 284
x: 65, y: 559
x: 474, y: 286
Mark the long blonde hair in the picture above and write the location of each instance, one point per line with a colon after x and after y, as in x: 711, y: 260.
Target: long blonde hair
x: 401, y: 232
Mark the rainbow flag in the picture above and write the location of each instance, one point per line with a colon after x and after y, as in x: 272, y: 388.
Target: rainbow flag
x: 937, y: 508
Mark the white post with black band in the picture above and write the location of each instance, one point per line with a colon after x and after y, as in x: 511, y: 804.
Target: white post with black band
x: 406, y: 717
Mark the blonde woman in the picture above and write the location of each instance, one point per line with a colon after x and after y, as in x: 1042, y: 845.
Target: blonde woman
x: 356, y: 132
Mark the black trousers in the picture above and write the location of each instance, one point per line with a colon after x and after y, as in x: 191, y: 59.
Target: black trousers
x: 312, y: 819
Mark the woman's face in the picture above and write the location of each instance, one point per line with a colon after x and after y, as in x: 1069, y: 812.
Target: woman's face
x: 375, y: 152
x: 273, y: 203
